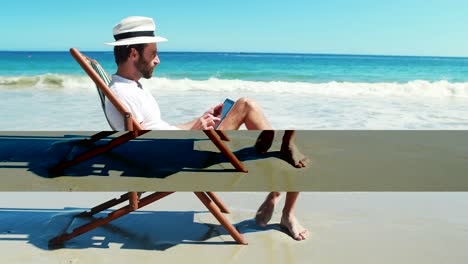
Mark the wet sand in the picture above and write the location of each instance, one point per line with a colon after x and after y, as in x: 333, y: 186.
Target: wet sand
x: 188, y: 161
x: 345, y: 228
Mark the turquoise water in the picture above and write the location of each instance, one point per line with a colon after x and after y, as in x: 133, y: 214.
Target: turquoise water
x: 49, y: 91
x: 256, y: 66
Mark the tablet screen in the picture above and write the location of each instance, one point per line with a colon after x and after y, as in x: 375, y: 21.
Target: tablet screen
x: 227, y: 105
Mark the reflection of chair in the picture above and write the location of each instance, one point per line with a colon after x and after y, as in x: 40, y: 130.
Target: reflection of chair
x: 210, y: 200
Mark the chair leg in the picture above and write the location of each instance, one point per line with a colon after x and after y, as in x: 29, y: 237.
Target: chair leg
x: 218, y: 202
x: 133, y: 200
x: 221, y: 218
x: 225, y: 151
x: 222, y: 135
x: 90, y: 226
x: 110, y: 217
x: 133, y: 134
x: 104, y: 206
x: 95, y: 151
x: 60, y: 239
x: 98, y: 136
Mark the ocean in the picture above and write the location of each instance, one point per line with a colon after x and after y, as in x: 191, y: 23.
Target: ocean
x: 49, y: 91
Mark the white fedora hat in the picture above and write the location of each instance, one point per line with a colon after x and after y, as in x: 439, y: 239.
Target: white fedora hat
x: 135, y: 30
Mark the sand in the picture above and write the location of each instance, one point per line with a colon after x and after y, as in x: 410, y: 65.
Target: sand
x: 351, y: 227
x: 345, y: 228
x: 188, y: 161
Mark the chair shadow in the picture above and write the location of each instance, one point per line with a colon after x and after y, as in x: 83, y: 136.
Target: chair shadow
x: 149, y: 158
x: 146, y: 230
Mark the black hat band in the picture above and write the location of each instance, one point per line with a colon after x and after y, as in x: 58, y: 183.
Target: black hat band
x: 134, y: 34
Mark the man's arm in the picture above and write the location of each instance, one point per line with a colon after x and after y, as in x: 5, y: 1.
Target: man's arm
x: 187, y: 126
x: 207, y: 121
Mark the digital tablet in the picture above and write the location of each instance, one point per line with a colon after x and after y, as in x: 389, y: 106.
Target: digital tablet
x: 227, y: 105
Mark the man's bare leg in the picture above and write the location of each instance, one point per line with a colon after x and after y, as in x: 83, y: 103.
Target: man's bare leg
x: 289, y: 221
x: 265, y: 211
x: 248, y: 112
x: 290, y: 152
x: 264, y: 141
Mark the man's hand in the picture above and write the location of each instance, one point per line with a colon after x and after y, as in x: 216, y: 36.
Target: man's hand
x: 215, y: 111
x: 218, y: 109
x: 206, y: 122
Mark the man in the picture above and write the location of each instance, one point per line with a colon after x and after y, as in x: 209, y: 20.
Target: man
x: 136, y: 55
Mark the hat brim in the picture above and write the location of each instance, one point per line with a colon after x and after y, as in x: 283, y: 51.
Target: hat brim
x: 136, y: 40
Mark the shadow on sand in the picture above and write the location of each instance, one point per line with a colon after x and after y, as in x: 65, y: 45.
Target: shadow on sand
x: 146, y: 230
x: 150, y: 158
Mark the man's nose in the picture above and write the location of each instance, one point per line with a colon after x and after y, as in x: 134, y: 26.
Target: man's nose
x: 156, y: 60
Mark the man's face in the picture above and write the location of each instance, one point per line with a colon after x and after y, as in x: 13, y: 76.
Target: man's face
x: 148, y: 60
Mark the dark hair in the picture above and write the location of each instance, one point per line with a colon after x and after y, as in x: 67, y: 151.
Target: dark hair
x: 121, y: 53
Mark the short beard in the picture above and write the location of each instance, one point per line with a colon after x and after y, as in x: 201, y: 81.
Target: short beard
x: 145, y: 70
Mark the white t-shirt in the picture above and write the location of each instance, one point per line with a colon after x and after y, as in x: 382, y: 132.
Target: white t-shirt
x: 137, y: 101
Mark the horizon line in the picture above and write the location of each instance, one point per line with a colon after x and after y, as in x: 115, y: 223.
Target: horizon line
x: 266, y: 52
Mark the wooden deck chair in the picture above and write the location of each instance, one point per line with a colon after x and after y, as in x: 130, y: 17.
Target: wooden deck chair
x: 209, y: 199
x: 102, y: 80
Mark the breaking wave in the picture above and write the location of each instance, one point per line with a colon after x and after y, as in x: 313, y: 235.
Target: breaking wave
x: 417, y: 88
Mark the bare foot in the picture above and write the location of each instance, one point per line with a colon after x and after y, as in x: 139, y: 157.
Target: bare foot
x: 293, y: 156
x: 265, y: 211
x: 292, y: 226
x: 264, y: 141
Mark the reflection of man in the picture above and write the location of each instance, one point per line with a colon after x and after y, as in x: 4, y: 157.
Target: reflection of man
x: 136, y: 55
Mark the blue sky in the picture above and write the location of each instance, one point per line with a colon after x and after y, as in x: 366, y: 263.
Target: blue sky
x: 387, y: 27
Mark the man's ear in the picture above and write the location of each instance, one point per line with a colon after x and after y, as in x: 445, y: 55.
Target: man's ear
x: 134, y: 54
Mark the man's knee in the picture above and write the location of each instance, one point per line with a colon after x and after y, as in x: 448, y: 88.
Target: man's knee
x: 248, y: 104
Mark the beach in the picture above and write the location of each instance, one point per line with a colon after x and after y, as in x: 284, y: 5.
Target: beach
x: 376, y: 92
x: 369, y: 196
x: 188, y: 161
x: 345, y: 227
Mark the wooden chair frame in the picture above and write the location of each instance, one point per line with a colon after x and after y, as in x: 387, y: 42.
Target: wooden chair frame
x: 209, y: 199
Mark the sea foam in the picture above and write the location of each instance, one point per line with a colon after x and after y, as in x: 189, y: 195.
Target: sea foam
x: 166, y: 86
